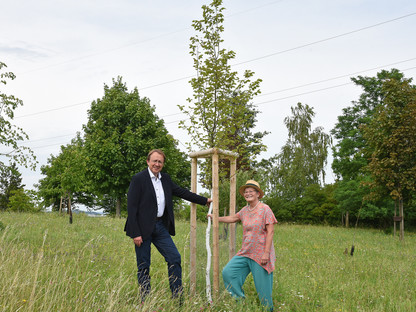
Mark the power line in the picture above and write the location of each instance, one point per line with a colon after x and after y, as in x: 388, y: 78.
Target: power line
x: 135, y: 43
x: 236, y: 64
x: 102, y: 52
x: 338, y: 77
x: 326, y: 39
x: 296, y: 95
x: 263, y: 94
x: 290, y: 49
x: 251, y: 60
x: 53, y: 109
x: 260, y: 103
x: 50, y: 138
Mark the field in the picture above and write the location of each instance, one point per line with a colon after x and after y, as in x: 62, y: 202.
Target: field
x: 47, y: 264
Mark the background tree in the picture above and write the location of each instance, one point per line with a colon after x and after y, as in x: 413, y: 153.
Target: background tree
x: 316, y: 205
x: 301, y: 161
x: 348, y: 152
x: 303, y: 158
x: 10, y: 180
x: 49, y: 188
x: 122, y: 128
x: 351, y: 153
x: 65, y: 177
x: 350, y: 198
x: 219, y: 112
x: 391, y: 138
x: 23, y: 201
x: 11, y: 135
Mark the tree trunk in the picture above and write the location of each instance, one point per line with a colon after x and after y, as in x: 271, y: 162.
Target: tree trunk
x: 347, y: 219
x: 69, y: 208
x: 402, y: 219
x: 395, y: 214
x: 60, y: 206
x: 118, y: 207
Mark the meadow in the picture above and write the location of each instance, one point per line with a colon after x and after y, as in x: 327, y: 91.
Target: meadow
x: 47, y: 264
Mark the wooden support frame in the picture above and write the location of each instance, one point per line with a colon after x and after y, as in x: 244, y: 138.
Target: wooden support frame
x: 215, y: 154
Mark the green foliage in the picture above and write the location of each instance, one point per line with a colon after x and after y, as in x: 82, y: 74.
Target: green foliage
x: 353, y: 199
x: 317, y: 205
x: 348, y: 153
x: 391, y: 137
x: 22, y: 201
x: 10, y: 180
x: 122, y: 128
x: 65, y: 177
x: 364, y: 138
x: 303, y: 158
x: 11, y: 136
x: 220, y: 113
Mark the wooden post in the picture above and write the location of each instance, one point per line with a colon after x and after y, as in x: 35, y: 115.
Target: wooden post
x: 347, y: 219
x: 233, y: 168
x: 193, y: 229
x: 214, y: 154
x: 215, y: 223
x: 60, y: 206
x: 395, y: 214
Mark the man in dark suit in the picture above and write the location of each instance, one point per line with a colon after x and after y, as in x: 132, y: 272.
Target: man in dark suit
x: 151, y: 220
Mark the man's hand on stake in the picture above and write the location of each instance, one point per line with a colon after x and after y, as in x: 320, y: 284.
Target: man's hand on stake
x: 209, y: 201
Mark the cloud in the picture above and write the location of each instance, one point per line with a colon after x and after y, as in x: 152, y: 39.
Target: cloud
x: 23, y: 50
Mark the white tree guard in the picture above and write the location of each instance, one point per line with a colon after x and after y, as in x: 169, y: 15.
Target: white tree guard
x: 208, y: 246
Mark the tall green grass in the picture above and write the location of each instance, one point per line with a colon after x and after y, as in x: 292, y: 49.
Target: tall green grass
x: 47, y: 264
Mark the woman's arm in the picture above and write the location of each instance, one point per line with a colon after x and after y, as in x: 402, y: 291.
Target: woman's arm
x: 269, y: 240
x: 226, y: 219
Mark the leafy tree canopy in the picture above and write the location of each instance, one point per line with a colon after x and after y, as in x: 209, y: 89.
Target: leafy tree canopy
x: 391, y: 140
x: 10, y: 134
x: 220, y: 113
x: 303, y: 158
x: 10, y: 180
x: 65, y: 176
x: 122, y: 128
x: 348, y: 153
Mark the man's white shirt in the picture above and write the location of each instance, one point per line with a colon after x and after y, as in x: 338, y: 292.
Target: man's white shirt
x: 160, y: 195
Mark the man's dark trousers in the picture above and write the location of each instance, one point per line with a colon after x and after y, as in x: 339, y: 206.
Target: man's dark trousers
x: 163, y: 241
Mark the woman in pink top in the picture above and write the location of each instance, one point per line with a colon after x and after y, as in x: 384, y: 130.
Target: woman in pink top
x: 257, y: 253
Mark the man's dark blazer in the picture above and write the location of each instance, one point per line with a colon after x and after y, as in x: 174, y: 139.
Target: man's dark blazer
x: 142, y: 204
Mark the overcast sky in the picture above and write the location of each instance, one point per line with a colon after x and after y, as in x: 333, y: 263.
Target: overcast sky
x: 63, y: 52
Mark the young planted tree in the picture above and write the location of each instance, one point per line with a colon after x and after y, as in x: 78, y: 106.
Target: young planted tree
x: 122, y: 128
x: 10, y: 134
x: 220, y: 113
x: 391, y: 139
